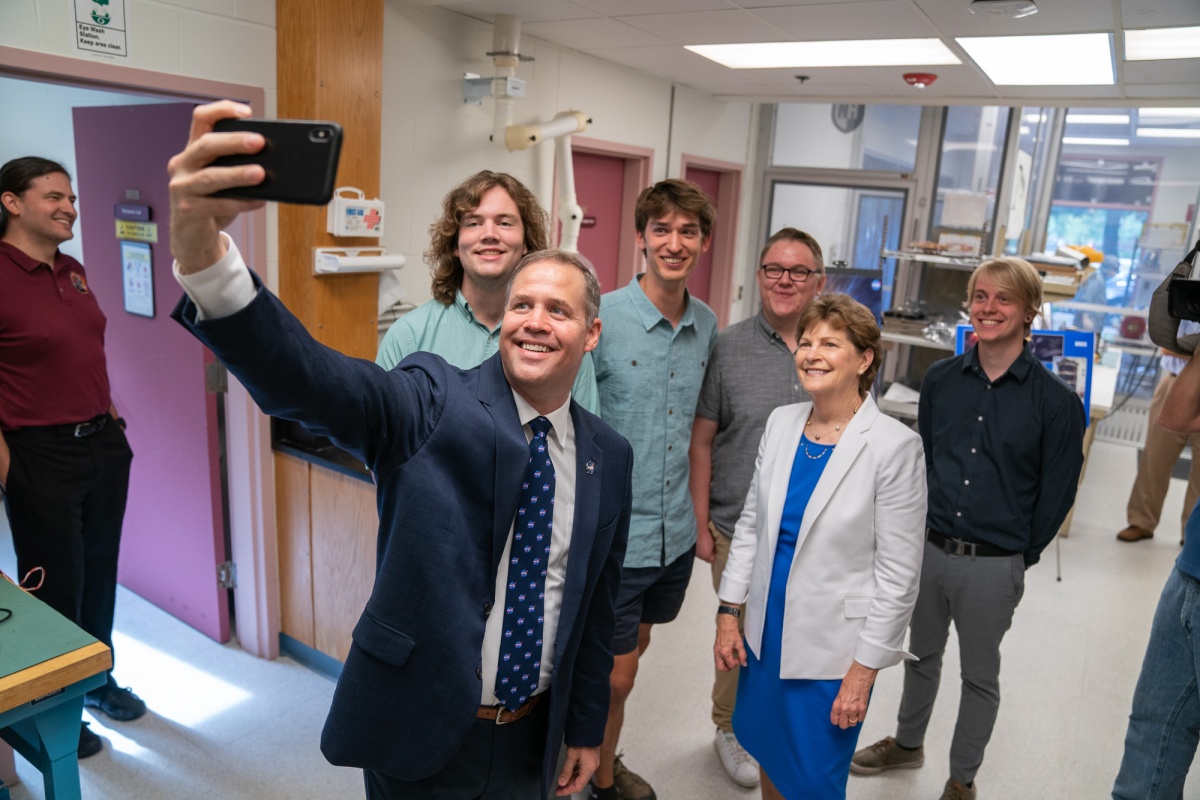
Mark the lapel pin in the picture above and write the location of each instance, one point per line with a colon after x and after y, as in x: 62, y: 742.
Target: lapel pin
x: 590, y: 466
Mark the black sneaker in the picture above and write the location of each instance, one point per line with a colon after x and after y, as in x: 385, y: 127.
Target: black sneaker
x: 89, y: 742
x: 116, y: 703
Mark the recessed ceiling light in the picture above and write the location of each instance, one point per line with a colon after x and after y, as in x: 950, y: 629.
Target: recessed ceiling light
x: 1072, y: 59
x: 856, y: 53
x: 1155, y: 44
x: 1013, y: 9
x: 1095, y: 141
x: 1173, y: 113
x: 1169, y: 133
x: 1097, y: 119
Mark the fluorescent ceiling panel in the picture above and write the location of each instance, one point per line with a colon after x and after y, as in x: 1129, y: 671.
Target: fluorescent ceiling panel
x: 1072, y: 59
x: 1169, y: 133
x: 1173, y: 113
x: 1097, y: 119
x: 1095, y: 141
x: 844, y: 53
x: 1157, y: 44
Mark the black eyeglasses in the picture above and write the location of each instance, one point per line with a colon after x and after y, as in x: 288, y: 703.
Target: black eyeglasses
x: 799, y: 274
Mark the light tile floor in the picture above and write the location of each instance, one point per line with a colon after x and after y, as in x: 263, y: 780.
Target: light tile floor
x: 228, y: 725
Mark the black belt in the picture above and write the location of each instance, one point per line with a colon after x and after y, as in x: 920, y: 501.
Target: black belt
x: 957, y: 547
x: 80, y: 430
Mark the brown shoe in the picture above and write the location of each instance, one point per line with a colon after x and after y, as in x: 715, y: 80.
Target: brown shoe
x: 630, y: 785
x: 958, y: 791
x: 1135, y: 534
x: 885, y: 755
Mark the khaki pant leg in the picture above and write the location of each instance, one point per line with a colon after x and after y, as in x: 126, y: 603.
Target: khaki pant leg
x: 1158, y: 459
x: 724, y: 693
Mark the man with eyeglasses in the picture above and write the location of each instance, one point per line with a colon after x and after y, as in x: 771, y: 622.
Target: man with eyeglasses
x: 752, y: 372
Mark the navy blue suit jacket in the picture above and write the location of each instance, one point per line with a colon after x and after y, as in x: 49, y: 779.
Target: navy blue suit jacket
x: 448, y: 452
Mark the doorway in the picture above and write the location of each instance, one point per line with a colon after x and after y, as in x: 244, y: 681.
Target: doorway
x: 608, y: 178
x: 712, y: 281
x: 250, y: 500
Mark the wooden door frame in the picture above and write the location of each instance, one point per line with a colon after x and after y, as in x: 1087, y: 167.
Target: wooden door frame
x: 720, y: 286
x: 639, y: 166
x: 248, y: 431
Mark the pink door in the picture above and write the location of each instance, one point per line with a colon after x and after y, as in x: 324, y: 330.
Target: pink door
x: 174, y: 534
x: 700, y: 283
x: 599, y: 185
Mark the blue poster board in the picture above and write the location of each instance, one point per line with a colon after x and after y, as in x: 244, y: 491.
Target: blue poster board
x: 1068, y: 354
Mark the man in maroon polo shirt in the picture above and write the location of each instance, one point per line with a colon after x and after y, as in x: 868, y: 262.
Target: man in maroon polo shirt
x: 64, y: 460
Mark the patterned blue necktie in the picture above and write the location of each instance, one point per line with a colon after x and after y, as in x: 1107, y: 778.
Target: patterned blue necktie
x: 520, y: 661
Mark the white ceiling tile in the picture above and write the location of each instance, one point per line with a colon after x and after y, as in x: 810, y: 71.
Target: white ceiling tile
x: 1181, y: 70
x: 525, y: 10
x: 601, y: 32
x: 619, y: 8
x: 708, y: 27
x: 954, y: 18
x: 652, y: 58
x: 890, y: 19
x: 1079, y: 92
x: 1159, y: 13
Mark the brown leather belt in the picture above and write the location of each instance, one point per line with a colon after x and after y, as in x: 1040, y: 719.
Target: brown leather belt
x: 503, y: 716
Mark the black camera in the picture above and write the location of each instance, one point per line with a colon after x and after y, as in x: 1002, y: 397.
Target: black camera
x: 1183, y: 299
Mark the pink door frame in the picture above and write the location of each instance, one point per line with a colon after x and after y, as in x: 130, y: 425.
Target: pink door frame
x: 725, y: 235
x: 639, y: 166
x: 248, y: 434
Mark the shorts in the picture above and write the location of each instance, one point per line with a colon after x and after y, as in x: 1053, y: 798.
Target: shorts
x: 650, y: 595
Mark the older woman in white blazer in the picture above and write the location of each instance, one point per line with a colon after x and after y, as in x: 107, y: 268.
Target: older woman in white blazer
x: 825, y: 561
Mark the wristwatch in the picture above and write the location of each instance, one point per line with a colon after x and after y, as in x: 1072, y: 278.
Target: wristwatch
x: 732, y: 611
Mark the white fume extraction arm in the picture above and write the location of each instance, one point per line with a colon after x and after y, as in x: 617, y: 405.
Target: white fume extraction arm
x: 565, y: 123
x: 505, y: 88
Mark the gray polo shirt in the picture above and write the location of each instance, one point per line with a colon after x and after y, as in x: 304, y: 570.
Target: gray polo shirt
x: 751, y: 373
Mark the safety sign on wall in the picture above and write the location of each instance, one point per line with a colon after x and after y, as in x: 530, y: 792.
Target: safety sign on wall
x: 100, y: 27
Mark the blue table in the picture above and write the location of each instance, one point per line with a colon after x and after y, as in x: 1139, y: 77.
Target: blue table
x: 46, y: 665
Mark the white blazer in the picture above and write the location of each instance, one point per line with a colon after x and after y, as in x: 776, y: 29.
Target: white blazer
x: 854, y: 579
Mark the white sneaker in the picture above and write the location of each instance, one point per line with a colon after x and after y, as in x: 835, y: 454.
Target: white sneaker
x: 740, y: 765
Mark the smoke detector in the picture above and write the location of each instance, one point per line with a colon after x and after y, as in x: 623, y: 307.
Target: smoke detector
x: 919, y: 80
x: 1013, y: 9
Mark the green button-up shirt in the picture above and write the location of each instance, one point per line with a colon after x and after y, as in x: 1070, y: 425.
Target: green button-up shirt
x: 649, y: 374
x: 453, y: 333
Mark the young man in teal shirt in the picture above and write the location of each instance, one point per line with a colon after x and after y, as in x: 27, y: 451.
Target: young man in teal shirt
x: 649, y: 367
x: 488, y: 223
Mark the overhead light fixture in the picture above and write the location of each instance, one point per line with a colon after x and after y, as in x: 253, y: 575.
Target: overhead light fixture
x: 1013, y: 9
x: 1097, y: 119
x: 1071, y: 59
x: 1172, y: 113
x: 1157, y: 44
x: 1169, y: 133
x: 1095, y: 141
x: 919, y: 80
x: 843, y: 53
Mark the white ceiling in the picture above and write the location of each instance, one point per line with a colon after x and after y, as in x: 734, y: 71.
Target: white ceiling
x: 648, y: 35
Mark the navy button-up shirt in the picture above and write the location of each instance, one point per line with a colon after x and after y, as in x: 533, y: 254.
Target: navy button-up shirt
x: 1003, y: 457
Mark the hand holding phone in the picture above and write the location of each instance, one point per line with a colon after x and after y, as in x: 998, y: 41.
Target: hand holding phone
x: 300, y: 159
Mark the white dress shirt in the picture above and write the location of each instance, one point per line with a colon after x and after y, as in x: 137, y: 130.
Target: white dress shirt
x: 225, y: 288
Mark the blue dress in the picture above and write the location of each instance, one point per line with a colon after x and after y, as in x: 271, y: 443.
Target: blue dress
x: 785, y: 723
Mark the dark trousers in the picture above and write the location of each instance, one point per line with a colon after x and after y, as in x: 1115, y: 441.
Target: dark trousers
x: 496, y: 762
x: 65, y: 502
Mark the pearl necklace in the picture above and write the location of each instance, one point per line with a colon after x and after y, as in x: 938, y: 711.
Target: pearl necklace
x: 824, y: 451
x: 816, y: 437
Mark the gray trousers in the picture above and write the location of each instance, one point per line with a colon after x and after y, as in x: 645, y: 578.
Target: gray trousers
x: 980, y: 595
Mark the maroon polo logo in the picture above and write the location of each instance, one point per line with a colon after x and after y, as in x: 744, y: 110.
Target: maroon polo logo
x: 79, y: 282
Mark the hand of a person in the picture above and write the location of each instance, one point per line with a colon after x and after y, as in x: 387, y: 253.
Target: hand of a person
x: 5, y: 463
x: 706, y: 548
x: 730, y: 649
x: 197, y: 218
x: 850, y: 705
x: 577, y: 771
